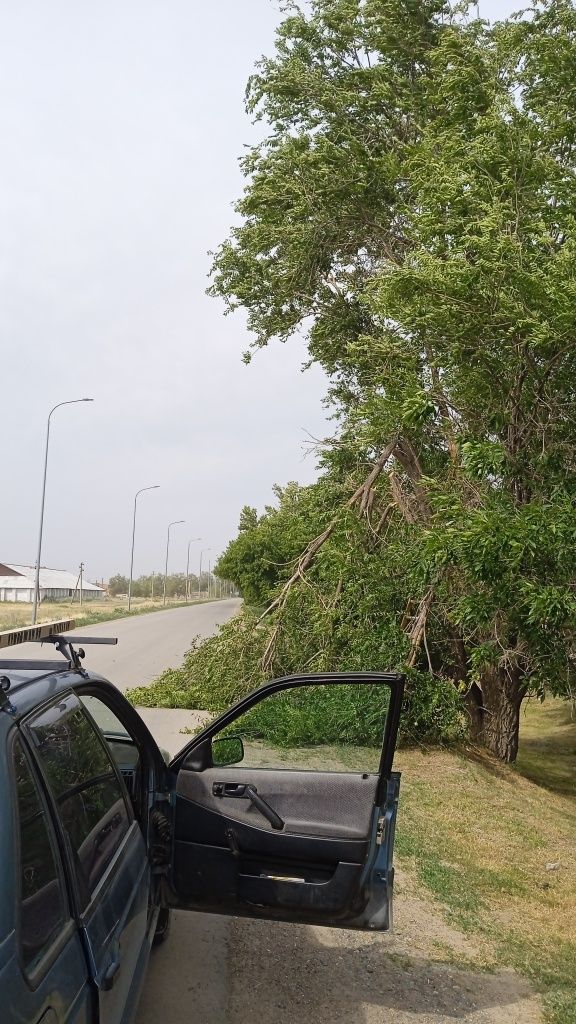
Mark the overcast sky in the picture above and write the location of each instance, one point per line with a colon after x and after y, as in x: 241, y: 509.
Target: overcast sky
x: 120, y: 127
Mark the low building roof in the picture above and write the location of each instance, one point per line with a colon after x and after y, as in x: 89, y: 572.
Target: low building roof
x: 21, y: 577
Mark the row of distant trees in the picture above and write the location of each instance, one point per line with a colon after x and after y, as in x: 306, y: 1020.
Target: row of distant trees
x: 152, y: 586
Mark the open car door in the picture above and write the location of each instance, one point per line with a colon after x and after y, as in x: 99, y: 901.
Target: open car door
x: 285, y: 805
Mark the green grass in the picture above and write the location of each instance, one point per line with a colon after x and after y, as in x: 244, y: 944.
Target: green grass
x: 479, y: 835
x: 548, y: 748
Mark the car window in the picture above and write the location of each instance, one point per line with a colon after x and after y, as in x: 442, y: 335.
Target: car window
x: 42, y: 902
x: 105, y: 719
x: 121, y: 745
x: 84, y: 784
x: 337, y: 727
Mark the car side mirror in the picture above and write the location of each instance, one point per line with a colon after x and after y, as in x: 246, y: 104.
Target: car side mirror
x: 227, y: 750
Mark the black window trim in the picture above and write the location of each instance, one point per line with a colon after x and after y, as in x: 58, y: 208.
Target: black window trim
x: 35, y: 975
x: 84, y: 900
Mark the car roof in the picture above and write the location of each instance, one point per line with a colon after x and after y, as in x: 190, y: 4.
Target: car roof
x: 27, y: 688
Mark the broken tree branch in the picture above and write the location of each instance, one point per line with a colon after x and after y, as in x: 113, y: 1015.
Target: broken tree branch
x: 417, y: 629
x: 361, y: 498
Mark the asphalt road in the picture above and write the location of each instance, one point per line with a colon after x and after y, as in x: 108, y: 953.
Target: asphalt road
x: 147, y: 644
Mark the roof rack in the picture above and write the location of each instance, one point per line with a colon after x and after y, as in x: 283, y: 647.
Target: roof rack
x: 43, y: 631
x: 49, y: 633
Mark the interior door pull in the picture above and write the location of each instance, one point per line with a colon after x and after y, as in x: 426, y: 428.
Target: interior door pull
x: 237, y: 789
x: 264, y: 808
x: 243, y: 791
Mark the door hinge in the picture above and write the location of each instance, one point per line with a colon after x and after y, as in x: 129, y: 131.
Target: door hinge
x: 380, y: 830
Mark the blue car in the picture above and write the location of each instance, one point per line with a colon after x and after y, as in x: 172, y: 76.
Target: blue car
x: 100, y: 837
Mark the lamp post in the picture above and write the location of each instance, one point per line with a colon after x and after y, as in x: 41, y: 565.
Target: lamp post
x: 170, y: 525
x: 72, y: 401
x: 153, y: 487
x: 203, y: 552
x: 191, y: 541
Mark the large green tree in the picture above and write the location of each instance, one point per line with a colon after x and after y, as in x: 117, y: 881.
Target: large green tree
x: 412, y: 209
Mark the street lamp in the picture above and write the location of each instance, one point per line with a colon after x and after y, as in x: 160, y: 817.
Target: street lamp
x: 188, y: 563
x: 170, y: 525
x: 153, y: 487
x: 203, y: 552
x: 72, y: 401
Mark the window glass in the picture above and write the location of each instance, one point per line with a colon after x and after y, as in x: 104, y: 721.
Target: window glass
x: 42, y: 908
x: 105, y: 719
x: 85, y: 787
x: 336, y: 727
x: 122, y: 747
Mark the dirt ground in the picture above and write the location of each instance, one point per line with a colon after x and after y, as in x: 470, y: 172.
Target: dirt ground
x: 327, y: 976
x: 229, y: 971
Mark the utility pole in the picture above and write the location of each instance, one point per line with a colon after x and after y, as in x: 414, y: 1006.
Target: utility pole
x: 78, y: 589
x: 152, y: 595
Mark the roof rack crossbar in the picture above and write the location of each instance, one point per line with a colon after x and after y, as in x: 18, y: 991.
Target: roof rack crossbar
x: 50, y: 633
x: 24, y: 664
x: 55, y: 638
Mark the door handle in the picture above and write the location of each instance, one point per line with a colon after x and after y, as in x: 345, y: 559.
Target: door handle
x: 247, y: 792
x: 110, y: 975
x: 232, y: 789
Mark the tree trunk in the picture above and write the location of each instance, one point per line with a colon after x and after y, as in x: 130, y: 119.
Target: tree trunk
x: 494, y: 709
x: 475, y: 711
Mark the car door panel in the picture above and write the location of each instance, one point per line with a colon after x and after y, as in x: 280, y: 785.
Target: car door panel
x: 115, y: 924
x: 232, y: 854
x: 212, y: 828
x: 310, y: 803
x: 328, y: 859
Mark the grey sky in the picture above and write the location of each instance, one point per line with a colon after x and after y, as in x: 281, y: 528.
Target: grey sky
x: 120, y: 127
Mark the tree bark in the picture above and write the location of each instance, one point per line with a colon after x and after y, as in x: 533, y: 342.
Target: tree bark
x: 475, y: 712
x: 494, y: 708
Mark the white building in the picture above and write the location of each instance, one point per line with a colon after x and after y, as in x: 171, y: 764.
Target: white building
x: 17, y: 584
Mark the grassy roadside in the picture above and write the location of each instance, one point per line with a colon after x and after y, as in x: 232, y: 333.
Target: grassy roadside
x: 496, y: 847
x: 14, y: 615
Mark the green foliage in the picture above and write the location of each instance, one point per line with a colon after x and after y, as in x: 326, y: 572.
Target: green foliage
x: 152, y: 585
x: 320, y: 714
x: 265, y: 546
x: 118, y: 585
x: 413, y: 210
x: 219, y: 671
